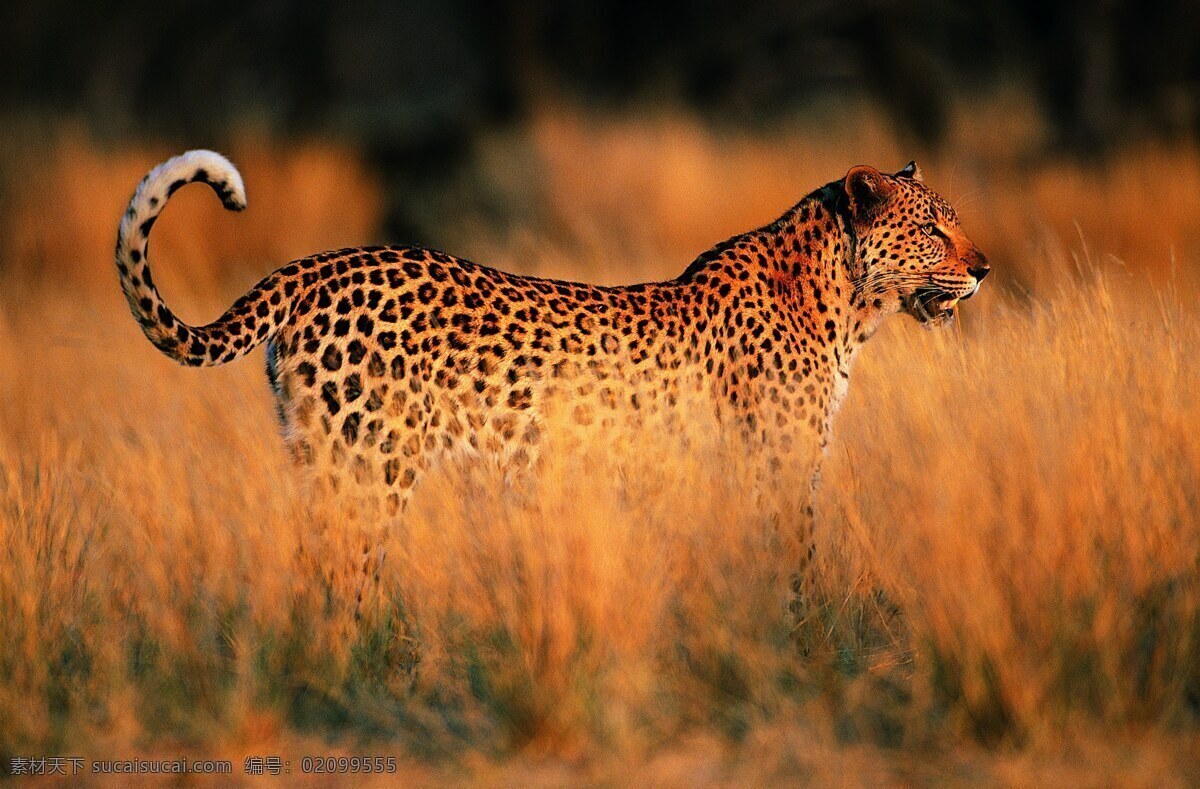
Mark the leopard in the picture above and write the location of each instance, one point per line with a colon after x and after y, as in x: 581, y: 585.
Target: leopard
x: 386, y: 360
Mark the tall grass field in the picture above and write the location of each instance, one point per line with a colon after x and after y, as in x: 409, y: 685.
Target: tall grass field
x: 1008, y: 523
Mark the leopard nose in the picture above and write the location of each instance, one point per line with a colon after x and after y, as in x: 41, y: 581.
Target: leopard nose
x: 980, y: 269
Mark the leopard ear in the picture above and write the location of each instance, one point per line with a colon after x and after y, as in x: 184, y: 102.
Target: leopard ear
x: 911, y: 170
x: 867, y: 188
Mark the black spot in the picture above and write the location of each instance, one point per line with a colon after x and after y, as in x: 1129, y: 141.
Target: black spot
x: 329, y: 395
x: 388, y: 313
x: 352, y: 387
x: 350, y: 427
x: 391, y: 470
x: 332, y: 358
x: 307, y: 373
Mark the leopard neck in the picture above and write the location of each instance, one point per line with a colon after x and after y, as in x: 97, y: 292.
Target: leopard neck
x: 808, y: 260
x: 815, y: 269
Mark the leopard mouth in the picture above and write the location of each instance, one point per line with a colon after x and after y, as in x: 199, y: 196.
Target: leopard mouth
x: 931, y: 306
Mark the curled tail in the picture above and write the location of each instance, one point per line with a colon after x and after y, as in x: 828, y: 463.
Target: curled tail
x: 253, y: 318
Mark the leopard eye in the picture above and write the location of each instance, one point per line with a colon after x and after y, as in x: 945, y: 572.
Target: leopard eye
x: 931, y: 230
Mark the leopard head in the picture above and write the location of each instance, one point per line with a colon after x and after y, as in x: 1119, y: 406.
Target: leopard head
x: 911, y: 255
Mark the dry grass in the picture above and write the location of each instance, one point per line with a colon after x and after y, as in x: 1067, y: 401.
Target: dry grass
x: 1009, y: 531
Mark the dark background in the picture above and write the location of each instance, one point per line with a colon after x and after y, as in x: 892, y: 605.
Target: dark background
x: 411, y: 83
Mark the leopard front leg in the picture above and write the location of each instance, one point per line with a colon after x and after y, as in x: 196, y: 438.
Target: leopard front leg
x: 792, y: 513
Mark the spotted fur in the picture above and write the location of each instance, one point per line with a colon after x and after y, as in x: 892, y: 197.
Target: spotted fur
x: 384, y: 359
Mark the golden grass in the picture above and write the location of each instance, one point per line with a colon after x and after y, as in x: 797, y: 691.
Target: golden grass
x: 65, y: 195
x: 1009, y: 536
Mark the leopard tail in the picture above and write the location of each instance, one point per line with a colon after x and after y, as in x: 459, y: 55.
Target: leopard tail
x: 252, y: 319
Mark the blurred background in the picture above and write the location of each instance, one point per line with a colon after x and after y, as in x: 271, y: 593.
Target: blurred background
x: 1009, y: 517
x: 472, y: 125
